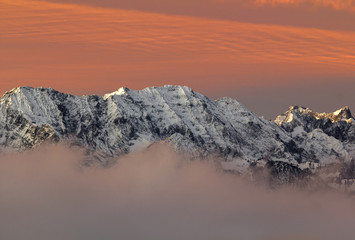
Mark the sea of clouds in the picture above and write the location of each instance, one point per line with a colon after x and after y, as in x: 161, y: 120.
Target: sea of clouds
x: 45, y: 194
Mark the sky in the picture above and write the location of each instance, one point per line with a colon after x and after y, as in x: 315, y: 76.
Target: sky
x: 268, y: 54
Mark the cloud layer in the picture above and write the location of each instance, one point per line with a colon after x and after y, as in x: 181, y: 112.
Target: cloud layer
x: 155, y: 195
x: 343, y: 5
x: 57, y: 43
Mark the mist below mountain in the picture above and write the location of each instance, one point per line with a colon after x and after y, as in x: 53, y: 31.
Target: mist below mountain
x: 156, y: 194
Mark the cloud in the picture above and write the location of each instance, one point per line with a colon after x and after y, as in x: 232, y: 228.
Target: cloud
x: 343, y: 5
x: 156, y: 195
x: 53, y: 43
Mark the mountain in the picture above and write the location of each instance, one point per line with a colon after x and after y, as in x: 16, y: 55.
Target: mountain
x: 332, y: 133
x: 129, y: 120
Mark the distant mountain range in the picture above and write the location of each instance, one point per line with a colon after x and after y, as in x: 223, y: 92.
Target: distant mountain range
x: 128, y: 120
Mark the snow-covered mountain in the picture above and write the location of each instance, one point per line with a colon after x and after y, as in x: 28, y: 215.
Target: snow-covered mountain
x: 129, y: 120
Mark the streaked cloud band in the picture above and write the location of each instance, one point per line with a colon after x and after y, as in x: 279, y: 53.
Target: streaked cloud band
x: 343, y: 5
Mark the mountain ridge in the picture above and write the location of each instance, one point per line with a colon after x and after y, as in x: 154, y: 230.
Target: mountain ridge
x: 127, y: 120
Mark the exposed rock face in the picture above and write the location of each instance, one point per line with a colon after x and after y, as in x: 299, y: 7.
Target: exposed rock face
x: 128, y: 120
x: 320, y: 136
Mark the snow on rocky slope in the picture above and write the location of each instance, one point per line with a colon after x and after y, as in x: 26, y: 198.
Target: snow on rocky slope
x: 324, y: 137
x: 129, y: 120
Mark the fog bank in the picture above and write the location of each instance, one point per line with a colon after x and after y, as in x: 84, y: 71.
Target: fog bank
x: 154, y: 194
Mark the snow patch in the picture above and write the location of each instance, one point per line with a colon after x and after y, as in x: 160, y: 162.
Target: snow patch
x: 121, y: 91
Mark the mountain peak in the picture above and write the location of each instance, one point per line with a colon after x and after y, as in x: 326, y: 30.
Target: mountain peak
x: 27, y: 89
x: 297, y: 112
x: 299, y: 108
x: 120, y: 91
x: 170, y: 88
x: 344, y: 113
x: 162, y: 89
x: 18, y: 89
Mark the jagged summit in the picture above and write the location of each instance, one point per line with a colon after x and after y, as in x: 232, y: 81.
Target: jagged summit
x: 28, y: 88
x: 342, y: 114
x: 166, y: 88
x: 294, y: 113
x: 120, y: 91
x: 16, y: 91
x: 126, y: 120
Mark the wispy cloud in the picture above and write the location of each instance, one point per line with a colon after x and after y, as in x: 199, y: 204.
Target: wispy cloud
x: 344, y: 5
x: 24, y: 21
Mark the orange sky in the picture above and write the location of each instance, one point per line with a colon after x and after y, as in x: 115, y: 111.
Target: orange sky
x: 325, y: 14
x: 83, y: 50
